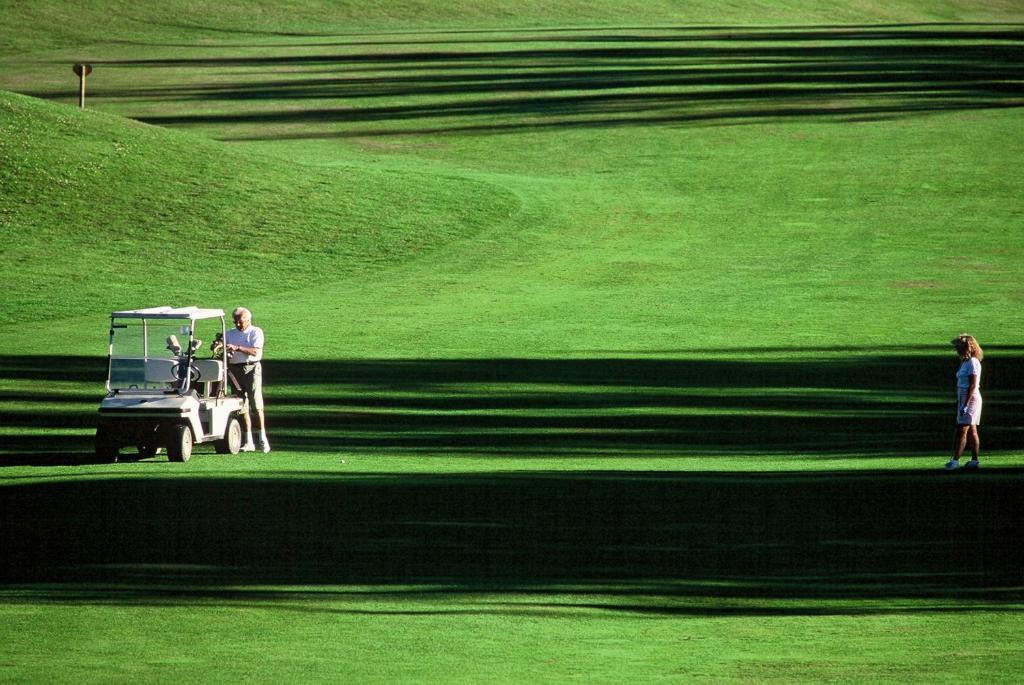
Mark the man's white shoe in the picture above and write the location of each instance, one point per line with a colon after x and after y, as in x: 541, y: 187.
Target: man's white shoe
x: 972, y: 464
x: 952, y: 464
x: 248, y: 447
x: 265, y: 446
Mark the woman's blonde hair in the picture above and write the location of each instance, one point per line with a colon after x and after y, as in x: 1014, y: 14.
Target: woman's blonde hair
x: 968, y: 347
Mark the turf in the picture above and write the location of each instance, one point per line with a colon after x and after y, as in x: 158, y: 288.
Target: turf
x: 607, y: 341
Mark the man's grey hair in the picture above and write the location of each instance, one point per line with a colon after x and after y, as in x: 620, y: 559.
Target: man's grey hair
x: 239, y: 311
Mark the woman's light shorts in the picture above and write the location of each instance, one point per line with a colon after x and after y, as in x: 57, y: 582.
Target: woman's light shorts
x: 972, y: 417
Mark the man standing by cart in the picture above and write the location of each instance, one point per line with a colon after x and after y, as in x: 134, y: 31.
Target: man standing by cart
x: 244, y: 345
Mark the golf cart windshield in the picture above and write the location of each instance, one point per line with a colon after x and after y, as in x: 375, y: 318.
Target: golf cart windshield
x: 158, y: 354
x: 145, y: 354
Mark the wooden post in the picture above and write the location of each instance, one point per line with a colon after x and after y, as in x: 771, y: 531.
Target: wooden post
x: 83, y: 70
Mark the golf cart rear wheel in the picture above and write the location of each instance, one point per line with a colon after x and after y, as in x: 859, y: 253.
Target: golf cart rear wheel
x: 231, y: 443
x: 179, y: 443
x: 106, y: 444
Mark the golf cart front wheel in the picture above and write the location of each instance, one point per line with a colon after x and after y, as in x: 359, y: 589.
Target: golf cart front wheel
x: 231, y: 443
x: 179, y: 444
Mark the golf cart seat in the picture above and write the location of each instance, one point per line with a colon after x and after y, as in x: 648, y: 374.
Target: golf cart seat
x: 160, y: 371
x: 209, y: 373
x: 209, y: 369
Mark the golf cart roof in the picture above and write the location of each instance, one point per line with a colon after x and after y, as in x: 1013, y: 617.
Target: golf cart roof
x: 190, y: 313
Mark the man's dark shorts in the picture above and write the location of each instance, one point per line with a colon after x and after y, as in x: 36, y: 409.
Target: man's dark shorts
x: 250, y: 378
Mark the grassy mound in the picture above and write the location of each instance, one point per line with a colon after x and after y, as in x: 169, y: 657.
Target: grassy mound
x: 98, y: 211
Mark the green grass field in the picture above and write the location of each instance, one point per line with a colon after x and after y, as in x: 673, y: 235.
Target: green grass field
x: 607, y: 341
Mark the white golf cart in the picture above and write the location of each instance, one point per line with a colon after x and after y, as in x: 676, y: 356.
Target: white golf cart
x: 160, y: 393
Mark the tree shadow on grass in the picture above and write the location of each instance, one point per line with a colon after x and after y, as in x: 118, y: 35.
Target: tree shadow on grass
x: 665, y: 543
x: 661, y: 543
x: 597, y: 79
x: 837, y: 403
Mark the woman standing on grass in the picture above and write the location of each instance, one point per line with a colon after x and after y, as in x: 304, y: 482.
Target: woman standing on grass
x: 968, y: 400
